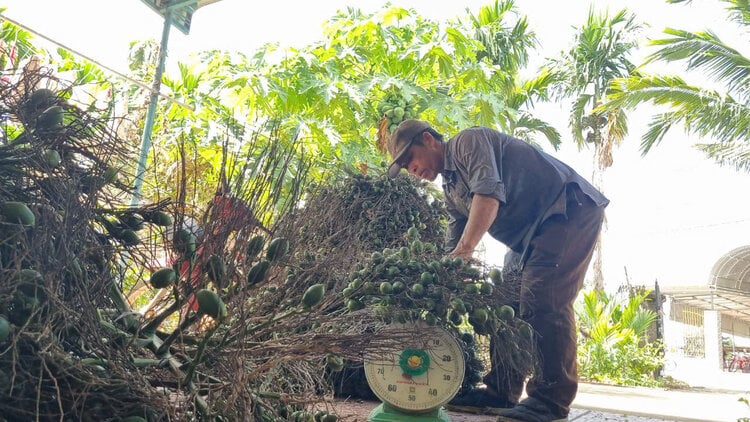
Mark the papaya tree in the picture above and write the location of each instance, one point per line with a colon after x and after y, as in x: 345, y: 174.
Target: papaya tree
x: 335, y: 91
x: 15, y: 45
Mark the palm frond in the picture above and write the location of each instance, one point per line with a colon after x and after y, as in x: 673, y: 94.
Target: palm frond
x: 629, y: 92
x: 539, y: 85
x: 591, y: 309
x: 706, y: 52
x: 739, y: 11
x: 600, y: 54
x: 732, y: 154
x: 575, y: 117
x: 528, y: 125
x: 642, y: 320
x: 702, y: 112
x: 503, y: 45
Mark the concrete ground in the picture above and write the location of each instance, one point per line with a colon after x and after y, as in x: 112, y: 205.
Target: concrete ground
x: 651, y: 404
x: 605, y: 403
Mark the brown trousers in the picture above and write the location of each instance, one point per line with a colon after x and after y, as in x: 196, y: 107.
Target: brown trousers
x: 551, y: 277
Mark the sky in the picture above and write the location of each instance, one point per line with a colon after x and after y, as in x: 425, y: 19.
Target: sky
x: 673, y: 213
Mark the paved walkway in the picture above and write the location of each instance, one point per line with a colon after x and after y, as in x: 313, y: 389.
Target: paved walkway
x: 596, y: 402
x: 606, y: 403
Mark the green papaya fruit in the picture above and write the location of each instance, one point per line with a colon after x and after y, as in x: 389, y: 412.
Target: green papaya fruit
x: 480, y: 315
x: 385, y: 288
x: 354, y: 305
x: 496, y: 276
x: 458, y: 305
x: 132, y: 221
x: 470, y: 288
x: 485, y: 288
x: 426, y: 277
x: 398, y: 287
x: 330, y: 417
x: 505, y: 313
x: 398, y: 113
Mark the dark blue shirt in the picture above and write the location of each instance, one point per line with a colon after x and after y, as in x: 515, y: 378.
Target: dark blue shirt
x: 529, y: 183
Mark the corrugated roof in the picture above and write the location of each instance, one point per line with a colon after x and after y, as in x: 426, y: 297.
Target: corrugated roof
x: 732, y: 271
x: 727, y: 289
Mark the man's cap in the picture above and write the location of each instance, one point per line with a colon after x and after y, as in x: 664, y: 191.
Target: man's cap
x: 400, y: 141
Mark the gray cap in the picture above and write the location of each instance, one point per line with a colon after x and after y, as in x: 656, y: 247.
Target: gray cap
x: 400, y: 141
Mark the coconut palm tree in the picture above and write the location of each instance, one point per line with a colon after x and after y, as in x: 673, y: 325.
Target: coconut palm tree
x: 724, y: 116
x: 600, y: 54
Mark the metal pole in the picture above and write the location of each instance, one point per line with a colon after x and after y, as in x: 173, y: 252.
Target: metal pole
x: 149, y: 124
x: 659, y: 324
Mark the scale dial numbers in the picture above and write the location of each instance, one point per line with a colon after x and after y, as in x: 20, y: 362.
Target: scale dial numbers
x: 423, y: 375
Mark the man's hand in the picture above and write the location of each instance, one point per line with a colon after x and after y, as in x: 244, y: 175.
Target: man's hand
x: 460, y: 252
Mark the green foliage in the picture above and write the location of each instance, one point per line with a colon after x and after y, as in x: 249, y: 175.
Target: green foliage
x: 723, y: 115
x: 506, y: 41
x: 628, y: 364
x: 330, y: 91
x: 744, y: 400
x: 321, y: 99
x: 15, y: 45
x: 600, y: 55
x: 612, y: 343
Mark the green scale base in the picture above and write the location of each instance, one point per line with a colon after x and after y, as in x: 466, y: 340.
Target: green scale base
x: 385, y: 413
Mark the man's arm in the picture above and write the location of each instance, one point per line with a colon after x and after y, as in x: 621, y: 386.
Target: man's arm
x: 483, y: 212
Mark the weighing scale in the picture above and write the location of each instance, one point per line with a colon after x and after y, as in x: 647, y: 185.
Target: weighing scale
x: 416, y: 381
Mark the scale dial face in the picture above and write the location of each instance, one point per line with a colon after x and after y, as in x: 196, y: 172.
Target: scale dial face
x: 422, y: 375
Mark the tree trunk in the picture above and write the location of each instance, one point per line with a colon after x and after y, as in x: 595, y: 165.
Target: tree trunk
x: 596, y: 281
